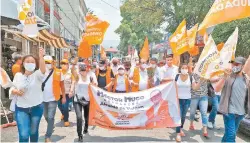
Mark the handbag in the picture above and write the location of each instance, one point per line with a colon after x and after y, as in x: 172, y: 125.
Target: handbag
x: 82, y: 101
x: 210, y: 88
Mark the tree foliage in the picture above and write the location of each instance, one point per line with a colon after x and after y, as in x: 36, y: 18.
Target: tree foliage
x: 145, y: 17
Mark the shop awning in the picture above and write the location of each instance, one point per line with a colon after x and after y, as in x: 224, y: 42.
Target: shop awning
x: 43, y: 36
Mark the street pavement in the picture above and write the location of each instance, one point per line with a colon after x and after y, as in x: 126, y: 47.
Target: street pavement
x: 96, y: 134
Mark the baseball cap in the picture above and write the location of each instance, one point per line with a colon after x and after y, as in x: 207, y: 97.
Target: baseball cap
x: 239, y: 60
x: 65, y: 61
x: 48, y: 59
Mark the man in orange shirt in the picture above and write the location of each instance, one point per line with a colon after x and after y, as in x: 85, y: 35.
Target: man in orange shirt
x: 17, y: 66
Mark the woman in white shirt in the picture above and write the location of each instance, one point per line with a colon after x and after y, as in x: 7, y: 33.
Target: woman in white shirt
x: 29, y: 97
x: 81, y: 99
x: 184, y: 85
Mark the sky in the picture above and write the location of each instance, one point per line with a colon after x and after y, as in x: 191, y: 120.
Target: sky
x: 110, y: 14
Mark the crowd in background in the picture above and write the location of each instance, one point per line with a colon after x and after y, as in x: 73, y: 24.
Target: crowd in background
x: 39, y: 87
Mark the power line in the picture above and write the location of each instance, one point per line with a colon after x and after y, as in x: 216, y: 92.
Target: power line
x: 110, y: 5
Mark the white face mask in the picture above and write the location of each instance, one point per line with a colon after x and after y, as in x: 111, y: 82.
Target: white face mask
x: 153, y: 65
x: 29, y: 66
x: 144, y: 66
x: 48, y: 66
x: 184, y: 71
x: 236, y: 69
x: 121, y: 72
x: 93, y: 70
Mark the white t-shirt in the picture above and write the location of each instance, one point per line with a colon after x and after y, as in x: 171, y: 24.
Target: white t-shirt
x: 143, y: 84
x: 121, y: 85
x: 82, y: 88
x: 48, y: 89
x: 168, y: 72
x: 92, y: 74
x: 184, y: 88
x: 32, y: 84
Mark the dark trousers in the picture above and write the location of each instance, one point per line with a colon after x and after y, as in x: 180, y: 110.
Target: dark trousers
x: 64, y: 108
x: 78, y: 109
x: 184, y: 105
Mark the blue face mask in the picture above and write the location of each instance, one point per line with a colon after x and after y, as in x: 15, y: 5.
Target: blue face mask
x: 29, y: 66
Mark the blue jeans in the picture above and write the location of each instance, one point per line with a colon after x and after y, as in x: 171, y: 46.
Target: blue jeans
x: 28, y: 120
x: 49, y: 115
x: 215, y: 100
x: 203, y: 103
x: 64, y: 108
x: 184, y: 105
x: 231, y: 123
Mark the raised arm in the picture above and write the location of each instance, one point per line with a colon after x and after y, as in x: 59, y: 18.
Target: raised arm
x: 41, y: 61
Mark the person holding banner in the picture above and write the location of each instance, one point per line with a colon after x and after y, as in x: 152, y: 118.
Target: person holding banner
x: 27, y: 91
x: 105, y: 76
x: 139, y: 77
x: 81, y: 99
x: 199, y: 97
x: 121, y: 83
x: 184, y: 85
x: 69, y: 84
x: 235, y: 97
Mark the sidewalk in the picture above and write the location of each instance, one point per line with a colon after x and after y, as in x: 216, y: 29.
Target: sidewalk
x: 96, y: 134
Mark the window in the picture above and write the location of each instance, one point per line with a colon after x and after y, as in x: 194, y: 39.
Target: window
x: 40, y: 9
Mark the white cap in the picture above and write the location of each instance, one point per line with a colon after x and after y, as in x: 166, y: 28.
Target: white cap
x: 48, y: 58
x: 121, y: 66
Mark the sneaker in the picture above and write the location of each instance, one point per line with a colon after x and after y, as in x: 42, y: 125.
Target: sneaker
x: 178, y: 138
x: 85, y: 131
x: 66, y: 124
x: 80, y: 138
x: 210, y: 125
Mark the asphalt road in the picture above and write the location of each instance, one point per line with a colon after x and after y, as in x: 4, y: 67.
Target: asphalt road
x: 96, y: 134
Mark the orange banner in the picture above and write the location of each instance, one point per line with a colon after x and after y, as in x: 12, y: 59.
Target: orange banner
x: 179, y: 40
x: 95, y: 30
x: 84, y: 50
x: 144, y: 53
x: 5, y: 81
x: 151, y: 108
x: 225, y: 11
x: 194, y: 51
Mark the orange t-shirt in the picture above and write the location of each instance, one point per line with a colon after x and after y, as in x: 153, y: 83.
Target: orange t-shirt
x: 16, y: 68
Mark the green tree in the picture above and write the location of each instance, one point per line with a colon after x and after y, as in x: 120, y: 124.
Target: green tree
x: 140, y: 19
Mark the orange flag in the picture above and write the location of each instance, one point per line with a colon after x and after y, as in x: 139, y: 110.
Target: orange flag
x: 103, y: 53
x: 144, y: 53
x: 225, y: 11
x: 179, y: 40
x: 84, y: 50
x: 95, y: 30
x: 220, y: 46
x: 191, y: 33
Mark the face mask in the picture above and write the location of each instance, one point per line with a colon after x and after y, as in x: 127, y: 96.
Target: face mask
x: 121, y: 72
x: 144, y: 66
x: 29, y: 66
x: 184, y: 71
x: 153, y: 65
x: 48, y: 66
x: 236, y: 69
x: 102, y: 68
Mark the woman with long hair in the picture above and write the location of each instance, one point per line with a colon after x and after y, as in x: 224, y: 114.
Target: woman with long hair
x: 184, y: 84
x: 29, y: 97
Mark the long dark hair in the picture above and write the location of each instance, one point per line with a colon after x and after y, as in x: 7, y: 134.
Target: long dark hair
x: 25, y: 57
